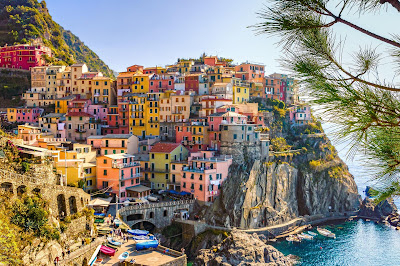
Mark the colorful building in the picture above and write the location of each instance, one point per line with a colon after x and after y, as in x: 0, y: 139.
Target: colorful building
x: 193, y: 135
x: 161, y: 156
x: 23, y: 56
x: 114, y: 144
x: 24, y: 114
x: 204, y: 175
x: 121, y: 174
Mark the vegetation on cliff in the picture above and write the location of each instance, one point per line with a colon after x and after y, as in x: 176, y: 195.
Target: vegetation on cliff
x: 351, y: 93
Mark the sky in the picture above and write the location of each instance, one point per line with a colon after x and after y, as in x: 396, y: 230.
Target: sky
x: 157, y: 32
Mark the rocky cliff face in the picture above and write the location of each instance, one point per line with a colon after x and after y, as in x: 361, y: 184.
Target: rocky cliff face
x: 242, y: 249
x: 310, y: 181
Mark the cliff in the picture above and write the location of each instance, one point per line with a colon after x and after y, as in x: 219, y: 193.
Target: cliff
x: 242, y: 249
x: 306, y: 178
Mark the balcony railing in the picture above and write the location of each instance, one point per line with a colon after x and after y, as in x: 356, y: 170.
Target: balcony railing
x: 154, y: 170
x: 130, y: 177
x: 80, y: 130
x: 197, y: 170
x: 125, y: 165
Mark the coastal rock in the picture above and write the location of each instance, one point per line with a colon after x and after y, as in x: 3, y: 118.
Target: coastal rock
x: 242, y: 249
x: 259, y: 193
x: 369, y: 209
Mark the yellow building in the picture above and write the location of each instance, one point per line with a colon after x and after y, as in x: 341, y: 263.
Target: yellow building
x: 144, y: 114
x: 256, y: 89
x: 241, y: 90
x: 184, y: 66
x: 140, y: 83
x: 61, y: 104
x: 161, y: 157
x: 12, y: 115
x: 53, y: 123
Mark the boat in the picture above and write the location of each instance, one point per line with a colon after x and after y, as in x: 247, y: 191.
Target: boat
x: 113, y: 242
x: 123, y: 256
x: 153, y: 199
x: 137, y: 232
x: 326, y: 232
x: 94, y: 258
x: 293, y: 238
x: 99, y: 214
x: 98, y: 262
x: 148, y: 237
x: 103, y: 231
x: 147, y: 244
x: 99, y: 220
x: 112, y: 246
x: 305, y: 236
x: 311, y: 233
x: 107, y: 250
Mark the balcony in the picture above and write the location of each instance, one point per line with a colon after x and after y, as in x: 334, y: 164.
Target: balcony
x: 154, y: 170
x: 80, y: 130
x: 130, y: 177
x: 96, y: 94
x: 125, y: 165
x: 198, y: 170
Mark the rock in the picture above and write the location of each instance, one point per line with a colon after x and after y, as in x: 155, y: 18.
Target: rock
x: 41, y: 254
x: 381, y: 211
x: 263, y: 194
x: 242, y: 249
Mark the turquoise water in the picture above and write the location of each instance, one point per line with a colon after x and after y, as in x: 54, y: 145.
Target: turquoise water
x: 357, y: 243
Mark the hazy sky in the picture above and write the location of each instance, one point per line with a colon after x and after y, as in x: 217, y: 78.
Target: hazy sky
x: 157, y: 32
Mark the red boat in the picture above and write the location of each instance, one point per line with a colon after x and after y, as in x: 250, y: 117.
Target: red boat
x: 108, y: 251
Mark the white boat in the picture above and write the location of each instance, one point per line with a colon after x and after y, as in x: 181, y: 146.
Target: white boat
x: 293, y: 238
x: 326, y: 232
x: 305, y: 236
x: 311, y: 233
x: 123, y: 256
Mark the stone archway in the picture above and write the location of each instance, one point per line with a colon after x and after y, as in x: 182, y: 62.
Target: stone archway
x: 72, y: 205
x: 7, y: 187
x: 21, y: 190
x: 62, y: 207
x: 146, y: 225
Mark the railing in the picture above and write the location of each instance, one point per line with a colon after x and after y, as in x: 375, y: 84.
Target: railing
x: 197, y: 170
x: 124, y: 165
x: 155, y: 170
x: 80, y: 130
x: 155, y: 205
x: 130, y: 176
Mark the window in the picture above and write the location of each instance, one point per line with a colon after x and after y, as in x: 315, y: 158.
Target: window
x: 201, y: 177
x: 105, y: 172
x: 105, y: 184
x: 166, y: 156
x: 105, y: 160
x: 192, y: 186
x: 210, y: 176
x: 184, y: 184
x: 166, y: 176
x: 201, y: 187
x: 122, y: 194
x: 152, y: 156
x: 234, y: 136
x: 122, y: 183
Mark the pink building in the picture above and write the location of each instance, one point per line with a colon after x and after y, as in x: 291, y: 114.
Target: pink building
x: 250, y: 72
x: 23, y: 56
x: 193, y: 135
x: 216, y: 120
x: 162, y: 82
x: 28, y: 114
x: 79, y: 105
x: 98, y: 111
x: 121, y: 173
x: 300, y: 115
x: 210, y: 103
x: 205, y: 175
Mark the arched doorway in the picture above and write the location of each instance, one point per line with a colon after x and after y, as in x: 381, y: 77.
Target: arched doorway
x: 7, y: 187
x: 72, y: 205
x: 62, y: 208
x: 144, y: 225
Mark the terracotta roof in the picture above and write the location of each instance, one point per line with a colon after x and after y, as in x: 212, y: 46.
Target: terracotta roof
x: 164, y: 147
x: 79, y: 114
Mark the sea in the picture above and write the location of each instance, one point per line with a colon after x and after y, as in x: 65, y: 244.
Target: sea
x: 357, y: 242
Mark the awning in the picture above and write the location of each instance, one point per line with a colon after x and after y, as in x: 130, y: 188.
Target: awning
x: 138, y: 188
x: 102, y: 202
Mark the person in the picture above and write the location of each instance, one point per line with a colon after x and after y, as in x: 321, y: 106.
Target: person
x: 183, y: 251
x: 63, y: 254
x: 56, y: 261
x: 83, y: 242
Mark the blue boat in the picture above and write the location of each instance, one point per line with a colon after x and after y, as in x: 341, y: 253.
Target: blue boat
x: 137, y: 232
x: 147, y: 244
x: 99, y: 214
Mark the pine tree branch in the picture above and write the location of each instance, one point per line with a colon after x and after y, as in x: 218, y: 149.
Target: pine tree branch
x: 348, y: 23
x: 394, y: 3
